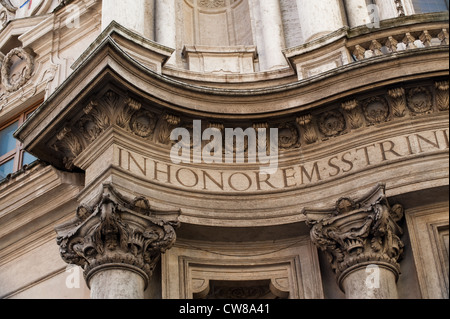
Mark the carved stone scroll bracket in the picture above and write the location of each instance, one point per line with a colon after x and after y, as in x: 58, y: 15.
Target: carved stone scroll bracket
x: 357, y: 233
x: 117, y: 233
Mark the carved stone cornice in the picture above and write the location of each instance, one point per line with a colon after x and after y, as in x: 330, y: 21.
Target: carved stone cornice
x: 117, y: 233
x: 357, y: 233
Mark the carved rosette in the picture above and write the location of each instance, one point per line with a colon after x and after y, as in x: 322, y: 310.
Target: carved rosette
x: 420, y: 100
x: 358, y: 233
x: 376, y: 110
x: 332, y: 123
x: 117, y: 233
x: 288, y: 136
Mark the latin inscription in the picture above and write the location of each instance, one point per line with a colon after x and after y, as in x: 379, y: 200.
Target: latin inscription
x: 294, y: 176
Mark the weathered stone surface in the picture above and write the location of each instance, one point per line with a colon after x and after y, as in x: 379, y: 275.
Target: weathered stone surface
x: 355, y: 105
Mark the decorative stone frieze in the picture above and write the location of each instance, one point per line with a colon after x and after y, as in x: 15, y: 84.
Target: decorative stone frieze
x: 117, y: 233
x: 155, y: 124
x: 358, y: 233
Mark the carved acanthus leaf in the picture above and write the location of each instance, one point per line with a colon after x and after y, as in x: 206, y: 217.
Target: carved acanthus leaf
x: 309, y: 133
x: 398, y: 104
x: 357, y: 232
x: 116, y: 230
x: 442, y: 96
x: 354, y: 116
x: 168, y: 123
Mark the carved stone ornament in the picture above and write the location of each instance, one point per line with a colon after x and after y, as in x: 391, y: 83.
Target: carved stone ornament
x: 332, y: 123
x: 309, y: 133
x: 168, y: 123
x: 442, y: 98
x: 357, y: 233
x: 17, y: 68
x: 354, y: 115
x: 376, y: 110
x: 100, y: 114
x: 8, y: 5
x: 288, y: 136
x: 143, y: 124
x: 420, y: 100
x: 397, y: 96
x: 212, y: 3
x: 116, y: 232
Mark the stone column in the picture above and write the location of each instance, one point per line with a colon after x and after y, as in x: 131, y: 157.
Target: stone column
x: 319, y: 17
x: 117, y: 242
x: 165, y: 25
x: 361, y: 239
x: 273, y: 36
x: 136, y: 15
x: 390, y: 9
x: 357, y: 13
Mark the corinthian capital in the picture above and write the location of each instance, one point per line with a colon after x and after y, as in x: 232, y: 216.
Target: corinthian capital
x: 117, y: 233
x: 356, y: 233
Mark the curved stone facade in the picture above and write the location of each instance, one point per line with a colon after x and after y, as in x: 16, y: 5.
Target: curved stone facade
x: 226, y: 149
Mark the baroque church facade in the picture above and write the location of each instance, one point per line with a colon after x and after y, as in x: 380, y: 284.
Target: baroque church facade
x: 100, y: 197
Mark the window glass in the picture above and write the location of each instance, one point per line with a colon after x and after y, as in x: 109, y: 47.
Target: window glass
x: 7, y: 141
x: 6, y: 168
x: 28, y: 158
x: 426, y: 6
